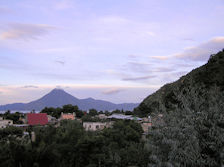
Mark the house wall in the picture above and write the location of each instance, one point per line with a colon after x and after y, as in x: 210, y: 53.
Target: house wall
x: 93, y: 126
x: 67, y: 116
x: 146, y: 126
x: 5, y: 123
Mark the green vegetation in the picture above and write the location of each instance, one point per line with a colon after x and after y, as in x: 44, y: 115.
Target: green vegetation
x: 70, y: 145
x: 188, y: 139
x: 198, y: 89
x: 188, y: 119
x: 56, y: 112
x: 13, y: 116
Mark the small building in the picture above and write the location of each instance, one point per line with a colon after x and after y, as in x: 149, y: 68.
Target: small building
x: 5, y: 122
x: 36, y: 119
x: 51, y: 119
x: 124, y: 117
x: 146, y: 124
x: 94, y: 126
x: 102, y: 116
x: 67, y: 116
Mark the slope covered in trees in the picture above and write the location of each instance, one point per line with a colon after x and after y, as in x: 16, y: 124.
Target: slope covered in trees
x: 200, y: 90
x: 190, y: 130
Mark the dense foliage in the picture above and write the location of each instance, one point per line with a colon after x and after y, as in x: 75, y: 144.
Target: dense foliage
x: 192, y: 92
x: 188, y: 139
x: 56, y: 112
x: 69, y: 145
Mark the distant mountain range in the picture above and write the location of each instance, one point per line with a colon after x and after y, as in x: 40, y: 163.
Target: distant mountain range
x: 58, y: 98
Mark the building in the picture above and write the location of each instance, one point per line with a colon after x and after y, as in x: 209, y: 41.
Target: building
x: 124, y: 117
x: 5, y: 122
x: 51, y: 119
x: 67, y: 116
x: 102, y: 116
x: 36, y: 119
x: 94, y: 126
x: 146, y: 124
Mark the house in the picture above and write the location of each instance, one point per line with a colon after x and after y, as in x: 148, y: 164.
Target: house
x: 51, y: 119
x: 93, y: 126
x: 5, y: 122
x: 102, y: 116
x: 146, y: 124
x: 67, y: 116
x: 36, y: 119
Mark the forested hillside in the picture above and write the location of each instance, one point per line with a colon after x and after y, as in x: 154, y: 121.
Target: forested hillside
x: 200, y: 90
x: 188, y: 118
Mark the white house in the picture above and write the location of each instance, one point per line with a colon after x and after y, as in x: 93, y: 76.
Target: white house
x: 5, y: 122
x: 93, y: 126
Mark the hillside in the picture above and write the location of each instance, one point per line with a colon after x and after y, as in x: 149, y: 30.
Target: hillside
x: 201, y: 89
x: 58, y: 98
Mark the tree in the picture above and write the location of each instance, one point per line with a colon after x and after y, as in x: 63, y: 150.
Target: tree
x: 69, y: 108
x: 93, y: 112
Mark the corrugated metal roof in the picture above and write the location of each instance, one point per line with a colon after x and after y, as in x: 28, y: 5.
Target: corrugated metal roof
x: 121, y: 116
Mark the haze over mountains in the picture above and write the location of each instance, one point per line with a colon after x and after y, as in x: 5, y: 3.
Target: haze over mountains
x: 58, y: 98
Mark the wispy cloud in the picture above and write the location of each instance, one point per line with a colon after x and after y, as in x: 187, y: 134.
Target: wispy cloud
x: 139, y: 78
x: 150, y: 33
x: 112, y: 91
x: 30, y: 86
x: 64, y: 4
x: 188, y: 39
x: 113, y: 20
x: 20, y: 31
x: 202, y: 51
x: 161, y: 57
x: 60, y: 62
x: 62, y: 87
x: 147, y: 67
x: 164, y: 69
x: 4, y: 10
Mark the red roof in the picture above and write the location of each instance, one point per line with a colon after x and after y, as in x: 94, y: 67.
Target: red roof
x: 37, y: 119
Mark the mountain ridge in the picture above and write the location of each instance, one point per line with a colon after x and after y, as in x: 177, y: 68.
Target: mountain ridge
x: 199, y: 90
x: 58, y: 98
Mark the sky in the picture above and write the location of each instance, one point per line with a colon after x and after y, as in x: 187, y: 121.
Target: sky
x: 120, y: 51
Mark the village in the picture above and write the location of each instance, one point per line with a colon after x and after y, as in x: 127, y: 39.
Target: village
x: 96, y: 123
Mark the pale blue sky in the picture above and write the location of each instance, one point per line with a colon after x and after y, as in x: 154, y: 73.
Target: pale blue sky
x: 116, y: 50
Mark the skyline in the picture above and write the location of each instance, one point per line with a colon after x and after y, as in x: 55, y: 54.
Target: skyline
x: 115, y: 51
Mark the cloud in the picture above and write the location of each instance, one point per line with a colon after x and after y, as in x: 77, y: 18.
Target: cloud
x: 114, y: 20
x: 20, y: 31
x: 150, y: 33
x: 60, y: 62
x: 138, y: 78
x: 63, y: 5
x: 147, y: 67
x: 138, y: 66
x: 132, y: 56
x: 62, y: 87
x: 30, y: 86
x: 4, y: 10
x: 202, y: 51
x: 188, y: 39
x: 161, y: 57
x: 164, y: 69
x: 112, y: 91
